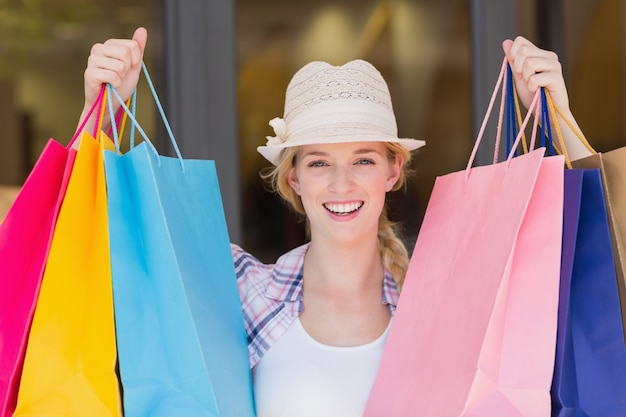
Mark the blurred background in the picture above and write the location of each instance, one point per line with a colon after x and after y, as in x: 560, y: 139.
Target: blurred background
x: 222, y: 66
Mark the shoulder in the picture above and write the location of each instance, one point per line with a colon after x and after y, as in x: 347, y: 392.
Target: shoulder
x: 249, y: 268
x: 280, y: 281
x: 271, y: 296
x: 246, y: 264
x: 391, y: 292
x: 253, y: 276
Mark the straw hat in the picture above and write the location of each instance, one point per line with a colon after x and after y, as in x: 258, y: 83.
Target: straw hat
x: 335, y: 104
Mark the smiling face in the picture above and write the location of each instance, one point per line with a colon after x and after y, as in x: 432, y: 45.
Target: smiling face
x: 343, y: 187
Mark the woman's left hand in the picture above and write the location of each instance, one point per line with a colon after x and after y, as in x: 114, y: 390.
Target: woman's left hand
x: 533, y: 68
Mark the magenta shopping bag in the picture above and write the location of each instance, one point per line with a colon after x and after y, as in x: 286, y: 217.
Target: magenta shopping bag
x: 475, y: 329
x: 25, y: 237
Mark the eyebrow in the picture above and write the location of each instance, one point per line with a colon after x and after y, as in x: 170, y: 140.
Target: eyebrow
x: 361, y: 151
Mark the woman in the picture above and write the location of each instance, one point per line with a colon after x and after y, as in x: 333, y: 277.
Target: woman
x: 317, y: 319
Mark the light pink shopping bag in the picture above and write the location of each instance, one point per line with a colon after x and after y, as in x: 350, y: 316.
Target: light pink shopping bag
x: 25, y: 237
x: 475, y: 329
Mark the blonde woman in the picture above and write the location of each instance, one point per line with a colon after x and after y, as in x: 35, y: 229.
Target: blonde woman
x: 318, y: 318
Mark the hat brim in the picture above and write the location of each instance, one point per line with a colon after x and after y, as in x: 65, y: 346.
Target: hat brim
x: 272, y: 152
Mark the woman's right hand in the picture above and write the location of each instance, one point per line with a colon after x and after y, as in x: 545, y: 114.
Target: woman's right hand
x: 116, y: 61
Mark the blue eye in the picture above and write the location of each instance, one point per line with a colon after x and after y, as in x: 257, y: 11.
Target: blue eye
x: 316, y: 164
x: 365, y: 161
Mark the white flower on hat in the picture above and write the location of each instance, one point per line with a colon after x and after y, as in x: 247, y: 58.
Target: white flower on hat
x: 280, y: 130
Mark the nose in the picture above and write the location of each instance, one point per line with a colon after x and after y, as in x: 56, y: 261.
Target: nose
x: 342, y: 180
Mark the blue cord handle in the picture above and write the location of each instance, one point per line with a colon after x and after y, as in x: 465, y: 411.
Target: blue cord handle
x: 511, y: 127
x: 136, y: 124
x: 116, y: 140
x: 545, y: 124
x: 544, y: 119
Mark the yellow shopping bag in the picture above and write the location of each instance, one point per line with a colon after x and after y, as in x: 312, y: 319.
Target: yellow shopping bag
x: 69, y: 367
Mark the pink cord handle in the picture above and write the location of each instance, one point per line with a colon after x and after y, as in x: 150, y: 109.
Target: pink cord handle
x: 96, y: 105
x: 534, y: 104
x: 486, y: 118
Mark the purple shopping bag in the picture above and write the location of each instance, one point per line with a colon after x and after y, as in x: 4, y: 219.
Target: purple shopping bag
x: 590, y: 366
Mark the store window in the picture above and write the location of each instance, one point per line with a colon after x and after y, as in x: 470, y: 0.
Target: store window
x: 595, y: 54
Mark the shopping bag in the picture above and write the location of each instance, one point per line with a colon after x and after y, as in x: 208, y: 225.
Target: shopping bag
x: 590, y: 367
x: 612, y: 166
x: 69, y: 366
x: 25, y: 236
x: 475, y: 327
x: 181, y: 338
x: 590, y: 364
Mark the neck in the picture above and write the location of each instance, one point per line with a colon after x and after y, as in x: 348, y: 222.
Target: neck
x: 340, y: 267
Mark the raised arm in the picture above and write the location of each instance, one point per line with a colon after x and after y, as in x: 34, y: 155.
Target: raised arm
x: 116, y: 61
x: 534, y: 68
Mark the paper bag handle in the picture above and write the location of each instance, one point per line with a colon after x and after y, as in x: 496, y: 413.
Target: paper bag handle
x: 554, y: 110
x: 136, y: 123
x: 96, y: 105
x: 549, y: 121
x: 481, y: 132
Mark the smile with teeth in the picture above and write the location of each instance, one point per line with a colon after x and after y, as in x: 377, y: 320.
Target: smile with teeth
x: 343, y: 209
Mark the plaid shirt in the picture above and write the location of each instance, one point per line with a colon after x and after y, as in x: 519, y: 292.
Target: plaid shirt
x: 271, y: 296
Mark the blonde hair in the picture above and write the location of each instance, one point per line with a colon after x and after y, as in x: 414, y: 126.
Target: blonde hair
x: 393, y: 253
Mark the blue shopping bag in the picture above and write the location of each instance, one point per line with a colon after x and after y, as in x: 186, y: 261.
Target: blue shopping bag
x: 590, y: 363
x: 590, y: 367
x: 181, y: 340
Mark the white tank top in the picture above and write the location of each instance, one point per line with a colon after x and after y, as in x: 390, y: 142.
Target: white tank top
x: 301, y: 377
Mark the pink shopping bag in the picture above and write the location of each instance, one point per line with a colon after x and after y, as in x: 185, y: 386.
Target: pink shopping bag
x: 475, y: 329
x: 25, y: 236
